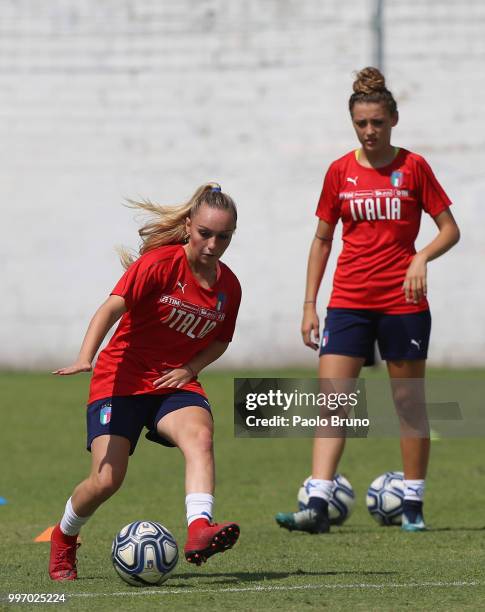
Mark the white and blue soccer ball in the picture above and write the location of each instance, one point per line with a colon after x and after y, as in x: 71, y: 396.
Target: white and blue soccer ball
x: 341, y: 503
x: 385, y: 498
x: 144, y: 553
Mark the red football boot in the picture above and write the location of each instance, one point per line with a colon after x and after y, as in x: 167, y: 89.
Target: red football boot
x: 62, y: 562
x: 206, y: 539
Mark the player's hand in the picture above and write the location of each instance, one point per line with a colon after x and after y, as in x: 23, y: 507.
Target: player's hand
x: 75, y: 368
x: 310, y: 327
x: 178, y: 377
x: 415, y: 286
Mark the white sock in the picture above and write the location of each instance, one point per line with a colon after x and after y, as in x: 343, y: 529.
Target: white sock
x: 323, y: 489
x: 414, y: 489
x: 199, y: 505
x: 71, y: 523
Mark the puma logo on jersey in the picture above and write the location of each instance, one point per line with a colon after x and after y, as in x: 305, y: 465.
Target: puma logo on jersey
x: 182, y: 287
x: 416, y: 343
x: 352, y: 180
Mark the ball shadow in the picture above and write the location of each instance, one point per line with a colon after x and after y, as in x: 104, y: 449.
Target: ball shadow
x: 238, y: 577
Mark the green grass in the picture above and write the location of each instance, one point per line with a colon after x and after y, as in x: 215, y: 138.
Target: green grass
x: 359, y: 566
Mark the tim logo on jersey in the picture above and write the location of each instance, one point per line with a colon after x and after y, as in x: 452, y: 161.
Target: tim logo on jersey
x: 190, y: 319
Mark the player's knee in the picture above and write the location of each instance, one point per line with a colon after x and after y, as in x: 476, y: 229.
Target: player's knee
x: 407, y: 402
x: 411, y: 410
x: 204, y: 439
x: 201, y: 440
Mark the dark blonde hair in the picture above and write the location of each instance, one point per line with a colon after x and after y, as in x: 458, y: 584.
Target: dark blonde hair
x: 370, y: 86
x: 167, y: 223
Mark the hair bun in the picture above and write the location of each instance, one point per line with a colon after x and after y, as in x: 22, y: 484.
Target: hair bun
x: 369, y: 80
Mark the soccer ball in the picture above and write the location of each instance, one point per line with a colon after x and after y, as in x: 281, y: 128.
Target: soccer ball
x: 385, y: 498
x: 341, y: 503
x: 144, y: 553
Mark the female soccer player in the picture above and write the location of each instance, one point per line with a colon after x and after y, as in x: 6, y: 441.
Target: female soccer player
x: 379, y: 288
x: 178, y: 306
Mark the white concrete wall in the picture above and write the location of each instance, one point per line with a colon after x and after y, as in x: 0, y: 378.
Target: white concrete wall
x: 102, y: 99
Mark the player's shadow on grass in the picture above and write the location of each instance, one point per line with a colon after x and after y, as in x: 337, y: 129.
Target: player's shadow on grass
x: 396, y: 529
x: 235, y: 577
x: 433, y: 529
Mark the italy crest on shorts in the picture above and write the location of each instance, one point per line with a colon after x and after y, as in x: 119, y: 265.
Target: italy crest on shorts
x: 105, y: 414
x: 396, y: 178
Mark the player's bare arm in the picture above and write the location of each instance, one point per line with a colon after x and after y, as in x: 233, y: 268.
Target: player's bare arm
x: 317, y: 262
x: 103, y: 320
x: 415, y: 283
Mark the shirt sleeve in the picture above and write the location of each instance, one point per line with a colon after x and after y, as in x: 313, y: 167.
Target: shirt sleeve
x: 430, y: 193
x: 328, y: 208
x: 229, y: 323
x: 140, y: 279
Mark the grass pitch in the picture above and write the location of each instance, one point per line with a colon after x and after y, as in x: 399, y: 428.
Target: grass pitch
x: 359, y: 566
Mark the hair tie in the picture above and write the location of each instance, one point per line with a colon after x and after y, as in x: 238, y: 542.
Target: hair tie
x: 213, y: 189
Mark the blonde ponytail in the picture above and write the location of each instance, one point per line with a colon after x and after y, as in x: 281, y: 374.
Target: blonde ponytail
x: 167, y: 223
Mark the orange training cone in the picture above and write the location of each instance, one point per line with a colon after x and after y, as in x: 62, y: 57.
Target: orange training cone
x: 45, y: 536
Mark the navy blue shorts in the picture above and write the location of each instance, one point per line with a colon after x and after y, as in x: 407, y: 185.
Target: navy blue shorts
x: 127, y: 415
x: 353, y: 332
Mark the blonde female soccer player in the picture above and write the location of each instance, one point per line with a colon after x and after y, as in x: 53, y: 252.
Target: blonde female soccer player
x: 178, y: 305
x: 378, y: 192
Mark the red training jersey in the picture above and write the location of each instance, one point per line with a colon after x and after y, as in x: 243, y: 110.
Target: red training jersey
x: 380, y: 209
x: 170, y: 318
